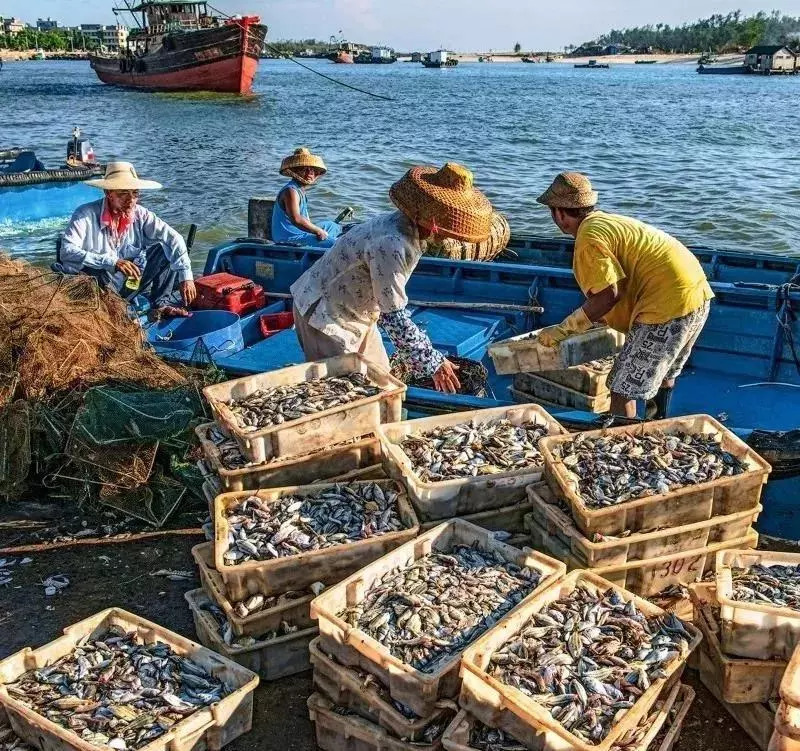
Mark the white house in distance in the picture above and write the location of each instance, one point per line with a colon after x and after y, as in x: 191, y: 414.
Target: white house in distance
x: 769, y: 57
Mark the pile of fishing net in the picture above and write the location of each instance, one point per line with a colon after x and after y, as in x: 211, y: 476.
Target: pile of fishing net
x: 87, y: 410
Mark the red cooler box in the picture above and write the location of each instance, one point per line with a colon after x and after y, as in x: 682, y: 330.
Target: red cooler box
x: 228, y: 292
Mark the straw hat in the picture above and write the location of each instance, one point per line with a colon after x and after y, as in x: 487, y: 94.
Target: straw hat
x: 302, y: 157
x: 444, y: 200
x: 570, y: 190
x: 122, y: 176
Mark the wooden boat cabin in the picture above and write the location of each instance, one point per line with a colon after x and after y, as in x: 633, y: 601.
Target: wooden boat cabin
x: 771, y: 58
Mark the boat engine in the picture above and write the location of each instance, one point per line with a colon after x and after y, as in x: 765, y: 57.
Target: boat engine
x: 79, y: 150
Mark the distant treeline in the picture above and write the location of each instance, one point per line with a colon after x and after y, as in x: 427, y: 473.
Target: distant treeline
x: 718, y: 33
x: 296, y: 46
x: 51, y: 41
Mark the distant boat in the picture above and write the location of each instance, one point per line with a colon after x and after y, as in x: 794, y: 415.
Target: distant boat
x: 376, y: 56
x: 645, y: 62
x: 39, y: 55
x: 592, y: 64
x: 439, y: 59
x: 485, y: 59
x: 342, y: 57
x: 527, y: 59
x: 724, y: 70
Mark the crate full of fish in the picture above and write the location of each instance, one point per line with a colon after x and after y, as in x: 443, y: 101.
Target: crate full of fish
x: 408, y: 616
x: 272, y: 654
x: 611, y: 550
x: 255, y: 614
x: 665, y: 473
x: 76, y: 692
x: 510, y: 519
x: 340, y: 729
x: 543, y: 673
x: 759, y: 598
x: 271, y: 541
x: 364, y: 694
x: 463, y: 463
x: 590, y: 378
x: 740, y: 680
x: 236, y: 473
x: 524, y: 354
x: 648, y: 577
x: 660, y: 727
x: 305, y: 408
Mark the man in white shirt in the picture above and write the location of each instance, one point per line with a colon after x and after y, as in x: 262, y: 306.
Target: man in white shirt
x: 126, y: 247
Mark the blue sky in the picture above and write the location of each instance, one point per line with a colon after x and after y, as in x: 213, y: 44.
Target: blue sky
x: 465, y: 25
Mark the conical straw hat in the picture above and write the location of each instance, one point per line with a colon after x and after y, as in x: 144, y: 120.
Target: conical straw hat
x: 444, y: 200
x: 122, y: 176
x: 570, y: 190
x: 302, y: 157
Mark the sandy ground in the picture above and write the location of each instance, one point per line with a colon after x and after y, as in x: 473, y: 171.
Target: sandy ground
x: 11, y: 56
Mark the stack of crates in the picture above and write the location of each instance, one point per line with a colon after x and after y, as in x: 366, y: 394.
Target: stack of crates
x: 258, y: 614
x: 749, y: 657
x: 656, y: 544
x: 365, y: 696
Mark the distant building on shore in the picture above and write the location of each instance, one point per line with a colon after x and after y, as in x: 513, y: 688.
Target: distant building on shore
x: 46, y: 24
x: 113, y: 37
x: 767, y: 57
x: 13, y: 26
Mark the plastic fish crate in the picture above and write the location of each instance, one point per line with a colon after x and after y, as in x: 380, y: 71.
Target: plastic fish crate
x: 209, y: 728
x: 790, y: 686
x: 694, y: 503
x: 294, y: 572
x: 637, y: 547
x: 523, y: 354
x: 272, y: 659
x: 502, y: 706
x: 740, y: 680
x: 344, y: 687
x: 507, y: 519
x: 468, y: 495
x: 322, y: 465
x: 316, y: 431
x: 647, y: 578
x: 336, y: 732
x: 252, y: 625
x: 536, y: 387
x: 749, y: 629
x: 587, y: 379
x: 677, y: 698
x: 350, y: 646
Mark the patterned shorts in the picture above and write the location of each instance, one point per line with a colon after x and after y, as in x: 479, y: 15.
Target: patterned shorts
x: 654, y: 353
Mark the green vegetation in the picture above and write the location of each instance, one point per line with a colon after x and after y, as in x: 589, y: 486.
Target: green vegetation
x: 718, y: 33
x: 294, y: 47
x: 50, y: 41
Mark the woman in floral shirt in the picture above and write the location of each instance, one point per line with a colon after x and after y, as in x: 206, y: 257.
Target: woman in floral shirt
x: 360, y: 283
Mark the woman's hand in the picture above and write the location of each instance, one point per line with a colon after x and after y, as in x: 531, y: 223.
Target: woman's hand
x: 321, y: 234
x: 445, y: 379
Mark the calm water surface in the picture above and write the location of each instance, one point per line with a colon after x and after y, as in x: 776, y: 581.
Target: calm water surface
x: 712, y: 159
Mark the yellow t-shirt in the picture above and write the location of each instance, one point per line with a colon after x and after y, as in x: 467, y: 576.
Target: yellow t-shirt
x: 662, y: 278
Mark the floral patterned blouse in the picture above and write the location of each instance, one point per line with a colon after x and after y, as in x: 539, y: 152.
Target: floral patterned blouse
x: 361, y: 282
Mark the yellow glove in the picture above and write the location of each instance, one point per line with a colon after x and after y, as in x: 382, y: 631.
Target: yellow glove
x: 575, y: 323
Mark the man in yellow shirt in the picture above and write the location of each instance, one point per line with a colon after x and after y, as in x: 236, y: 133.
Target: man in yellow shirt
x: 638, y: 280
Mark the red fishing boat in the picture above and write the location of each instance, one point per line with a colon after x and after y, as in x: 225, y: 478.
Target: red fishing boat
x: 180, y: 46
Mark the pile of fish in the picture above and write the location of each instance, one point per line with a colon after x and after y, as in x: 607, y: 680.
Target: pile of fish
x: 257, y: 603
x: 295, y: 524
x: 429, y: 736
x: 620, y: 467
x: 484, y: 738
x: 10, y: 741
x: 587, y: 658
x: 274, y: 406
x: 230, y: 454
x: 769, y: 585
x: 225, y: 630
x: 113, y: 691
x: 429, y: 611
x: 473, y: 449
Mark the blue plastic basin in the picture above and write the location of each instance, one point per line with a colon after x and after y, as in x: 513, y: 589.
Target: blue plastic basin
x: 220, y: 331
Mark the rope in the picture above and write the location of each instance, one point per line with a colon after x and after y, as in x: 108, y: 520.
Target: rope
x: 276, y: 51
x: 787, y: 315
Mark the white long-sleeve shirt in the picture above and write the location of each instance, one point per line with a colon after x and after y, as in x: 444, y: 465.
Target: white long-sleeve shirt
x: 88, y: 242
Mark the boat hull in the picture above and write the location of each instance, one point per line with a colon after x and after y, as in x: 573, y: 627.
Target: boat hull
x: 223, y: 59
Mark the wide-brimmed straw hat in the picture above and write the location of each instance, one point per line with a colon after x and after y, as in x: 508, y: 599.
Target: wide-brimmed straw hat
x: 444, y: 200
x: 302, y: 157
x: 122, y: 176
x: 570, y: 190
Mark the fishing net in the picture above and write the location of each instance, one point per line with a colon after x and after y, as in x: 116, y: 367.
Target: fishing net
x: 153, y: 503
x: 473, y: 375
x: 15, y: 449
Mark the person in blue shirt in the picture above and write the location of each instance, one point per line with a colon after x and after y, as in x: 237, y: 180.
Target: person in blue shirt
x: 291, y: 222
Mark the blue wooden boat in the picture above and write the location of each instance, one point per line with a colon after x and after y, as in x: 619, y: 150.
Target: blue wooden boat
x: 30, y: 192
x: 745, y: 369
